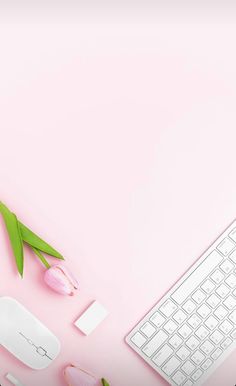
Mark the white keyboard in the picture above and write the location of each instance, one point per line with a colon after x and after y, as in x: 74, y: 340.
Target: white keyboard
x: 192, y: 329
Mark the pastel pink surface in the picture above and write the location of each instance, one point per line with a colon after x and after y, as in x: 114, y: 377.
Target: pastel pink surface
x: 118, y: 148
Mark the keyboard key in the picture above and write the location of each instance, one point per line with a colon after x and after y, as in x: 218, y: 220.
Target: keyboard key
x: 154, y: 344
x: 198, y: 296
x: 171, y: 366
x: 202, y: 333
x: 231, y: 281
x: 213, y: 301
x: 220, y: 312
x: 168, y: 308
x: 227, y: 342
x: 230, y: 302
x: 222, y: 291
x: 208, y: 286
x: 196, y: 277
x: 183, y: 353
x: 157, y: 319
x: 211, y: 322
x: 189, y: 306
x: 217, y: 276
x: 232, y: 234
x: 175, y: 341
x: 170, y: 327
x: 185, y: 331
x: 233, y: 334
x: 188, y: 383
x: 232, y: 317
x: 179, y: 317
x: 227, y: 266
x: 179, y: 378
x: 207, y: 364
x: 232, y: 256
x: 147, y: 329
x: 138, y: 339
x: 226, y: 327
x: 194, y: 321
x: 204, y: 311
x: 207, y: 347
x: 216, y: 337
x: 162, y: 355
x: 226, y: 246
x: 188, y: 367
x: 215, y: 355
x: 197, y: 375
x: 198, y: 357
x: 192, y: 343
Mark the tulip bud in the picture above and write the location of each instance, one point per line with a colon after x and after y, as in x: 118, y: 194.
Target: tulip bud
x: 77, y: 377
x: 61, y: 280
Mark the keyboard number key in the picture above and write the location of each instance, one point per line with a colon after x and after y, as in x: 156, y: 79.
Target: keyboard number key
x: 226, y: 246
x: 226, y: 327
x: 217, y: 276
x: 179, y: 378
x: 175, y: 341
x: 215, y: 355
x: 227, y: 266
x: 220, y: 312
x: 231, y: 281
x: 198, y: 296
x: 197, y: 375
x: 192, y: 343
x: 213, y: 301
x: 202, y: 333
x: 188, y: 367
x: 198, y: 357
x: 207, y: 364
x: 204, y: 311
x: 170, y: 327
x: 222, y: 291
x: 138, y: 339
x: 179, y: 317
x: 216, y: 337
x: 162, y: 355
x: 171, y: 366
x: 157, y: 319
x: 185, y: 331
x: 230, y: 302
x: 211, y: 322
x: 183, y: 353
x: 227, y: 342
x: 189, y: 306
x: 208, y: 286
x: 194, y: 321
x: 168, y: 308
x: 207, y: 347
x: 147, y: 329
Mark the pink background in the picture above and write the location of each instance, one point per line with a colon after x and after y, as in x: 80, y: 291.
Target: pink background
x: 118, y: 146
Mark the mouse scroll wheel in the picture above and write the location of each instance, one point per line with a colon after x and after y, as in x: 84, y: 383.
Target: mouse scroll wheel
x: 41, y: 351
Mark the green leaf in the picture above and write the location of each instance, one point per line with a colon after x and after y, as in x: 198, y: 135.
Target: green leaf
x: 41, y: 257
x: 34, y: 241
x: 104, y: 382
x: 14, y: 236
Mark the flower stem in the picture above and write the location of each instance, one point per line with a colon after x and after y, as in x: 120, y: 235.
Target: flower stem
x: 41, y: 257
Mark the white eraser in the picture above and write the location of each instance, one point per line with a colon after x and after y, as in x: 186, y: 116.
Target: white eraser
x: 91, y: 318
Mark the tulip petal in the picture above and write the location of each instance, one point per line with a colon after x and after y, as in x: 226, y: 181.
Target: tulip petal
x: 69, y: 275
x: 59, y: 279
x: 77, y: 377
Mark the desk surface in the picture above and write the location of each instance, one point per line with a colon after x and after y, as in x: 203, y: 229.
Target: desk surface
x: 118, y: 147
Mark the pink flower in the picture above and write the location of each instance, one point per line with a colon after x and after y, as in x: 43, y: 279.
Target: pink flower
x: 77, y: 377
x: 61, y: 280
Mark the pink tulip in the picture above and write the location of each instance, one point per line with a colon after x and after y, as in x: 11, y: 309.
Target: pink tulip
x: 77, y: 377
x: 61, y: 280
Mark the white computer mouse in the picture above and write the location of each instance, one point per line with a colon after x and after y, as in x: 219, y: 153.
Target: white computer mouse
x: 25, y: 336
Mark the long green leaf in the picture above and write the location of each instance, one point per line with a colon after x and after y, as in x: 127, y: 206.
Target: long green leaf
x: 14, y: 236
x: 32, y: 239
x: 104, y: 382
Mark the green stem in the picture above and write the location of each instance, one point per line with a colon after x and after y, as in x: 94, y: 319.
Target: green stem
x: 41, y: 257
